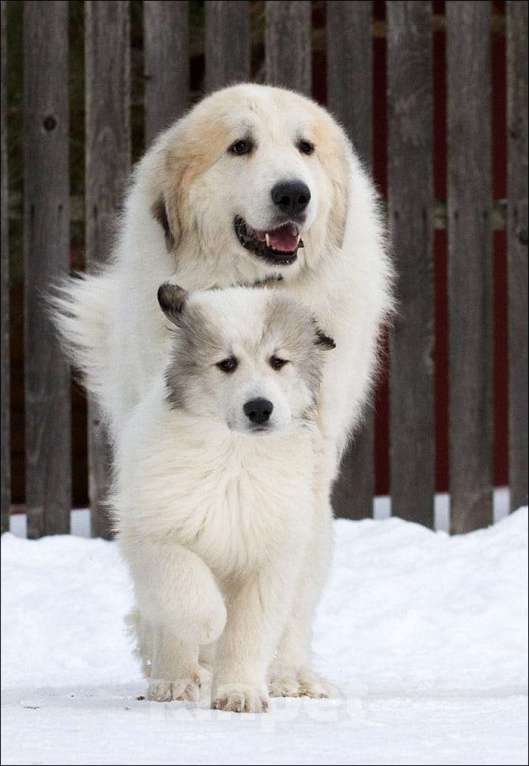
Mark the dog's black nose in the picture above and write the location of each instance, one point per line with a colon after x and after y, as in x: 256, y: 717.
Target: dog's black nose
x: 291, y: 197
x: 258, y: 411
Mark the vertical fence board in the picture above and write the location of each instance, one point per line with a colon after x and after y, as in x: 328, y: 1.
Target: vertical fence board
x: 6, y: 454
x: 410, y: 119
x: 107, y: 72
x: 469, y: 264
x: 517, y: 237
x: 288, y: 54
x: 47, y: 244
x: 166, y: 57
x: 350, y: 98
x: 227, y: 42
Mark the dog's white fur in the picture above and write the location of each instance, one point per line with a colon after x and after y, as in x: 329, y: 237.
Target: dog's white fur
x: 113, y: 326
x: 218, y: 523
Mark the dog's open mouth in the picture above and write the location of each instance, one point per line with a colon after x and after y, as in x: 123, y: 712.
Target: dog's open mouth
x: 278, y: 246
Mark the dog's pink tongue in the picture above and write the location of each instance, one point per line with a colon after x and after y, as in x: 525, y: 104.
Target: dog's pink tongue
x: 285, y: 239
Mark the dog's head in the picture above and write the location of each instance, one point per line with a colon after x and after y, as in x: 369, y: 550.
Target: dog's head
x: 250, y: 358
x: 257, y: 173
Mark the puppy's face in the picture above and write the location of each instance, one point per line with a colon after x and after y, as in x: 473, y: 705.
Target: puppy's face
x: 248, y: 358
x: 259, y: 173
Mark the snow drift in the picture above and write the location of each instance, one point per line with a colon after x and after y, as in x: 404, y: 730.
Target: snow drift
x: 426, y: 636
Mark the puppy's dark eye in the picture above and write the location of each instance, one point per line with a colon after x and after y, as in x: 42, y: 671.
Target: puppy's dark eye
x: 242, y: 146
x: 228, y: 365
x: 276, y: 363
x: 305, y: 147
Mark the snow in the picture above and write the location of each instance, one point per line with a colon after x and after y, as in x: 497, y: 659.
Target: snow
x: 426, y: 636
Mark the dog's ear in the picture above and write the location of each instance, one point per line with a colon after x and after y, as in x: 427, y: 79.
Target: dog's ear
x: 336, y: 156
x: 321, y: 339
x: 172, y: 299
x: 159, y: 212
x: 169, y: 165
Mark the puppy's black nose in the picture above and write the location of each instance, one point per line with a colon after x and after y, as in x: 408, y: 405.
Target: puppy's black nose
x: 291, y: 197
x: 258, y: 411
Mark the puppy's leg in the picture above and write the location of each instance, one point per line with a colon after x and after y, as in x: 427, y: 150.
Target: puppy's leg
x: 181, y: 608
x: 291, y: 673
x: 256, y: 616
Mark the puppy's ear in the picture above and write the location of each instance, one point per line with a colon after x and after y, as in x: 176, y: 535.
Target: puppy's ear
x: 159, y: 211
x: 324, y: 340
x: 172, y: 300
x: 321, y: 339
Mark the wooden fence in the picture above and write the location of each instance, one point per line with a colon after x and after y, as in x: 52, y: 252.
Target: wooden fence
x: 470, y: 218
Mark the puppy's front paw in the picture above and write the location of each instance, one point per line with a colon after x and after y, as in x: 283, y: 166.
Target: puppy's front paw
x: 181, y: 689
x: 240, y: 698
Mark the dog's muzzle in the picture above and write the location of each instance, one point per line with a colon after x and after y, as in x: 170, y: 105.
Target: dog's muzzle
x: 277, y: 246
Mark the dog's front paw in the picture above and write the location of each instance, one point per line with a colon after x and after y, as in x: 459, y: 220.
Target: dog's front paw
x: 300, y: 683
x: 240, y: 698
x: 313, y: 685
x: 185, y: 689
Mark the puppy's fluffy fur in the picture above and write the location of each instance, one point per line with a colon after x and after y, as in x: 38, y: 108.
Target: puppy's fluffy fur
x: 182, y: 223
x: 217, y: 513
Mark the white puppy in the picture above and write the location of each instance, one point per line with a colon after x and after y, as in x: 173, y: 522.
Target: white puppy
x: 254, y: 184
x: 215, y: 495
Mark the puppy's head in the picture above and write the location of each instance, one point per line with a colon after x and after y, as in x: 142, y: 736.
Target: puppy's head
x: 249, y: 358
x: 259, y: 174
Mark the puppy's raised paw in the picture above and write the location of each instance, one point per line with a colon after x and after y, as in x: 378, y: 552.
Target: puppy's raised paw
x: 240, y: 698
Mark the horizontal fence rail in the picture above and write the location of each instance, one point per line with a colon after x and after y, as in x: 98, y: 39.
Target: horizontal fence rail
x: 288, y: 44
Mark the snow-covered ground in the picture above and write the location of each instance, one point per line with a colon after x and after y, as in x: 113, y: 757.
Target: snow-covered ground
x: 425, y: 635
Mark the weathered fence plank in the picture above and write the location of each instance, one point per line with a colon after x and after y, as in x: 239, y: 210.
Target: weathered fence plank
x: 47, y: 245
x: 517, y: 238
x: 107, y: 54
x: 288, y: 54
x: 469, y: 264
x: 410, y: 120
x: 166, y: 63
x: 350, y: 98
x: 227, y: 46
x: 4, y: 307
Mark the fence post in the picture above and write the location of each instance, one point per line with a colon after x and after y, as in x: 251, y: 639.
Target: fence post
x: 469, y: 263
x: 166, y: 56
x: 107, y: 72
x: 47, y: 259
x: 289, y: 65
x: 6, y: 453
x: 227, y: 43
x: 350, y: 98
x: 410, y: 186
x: 517, y: 238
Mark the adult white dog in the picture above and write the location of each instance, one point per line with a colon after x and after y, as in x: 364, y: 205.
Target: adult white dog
x: 254, y: 184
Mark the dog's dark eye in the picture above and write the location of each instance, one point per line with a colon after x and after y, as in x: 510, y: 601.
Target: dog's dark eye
x: 228, y: 365
x: 276, y: 363
x: 305, y: 147
x: 242, y: 146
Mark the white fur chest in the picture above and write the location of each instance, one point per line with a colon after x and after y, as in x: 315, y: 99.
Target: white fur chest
x: 232, y: 499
